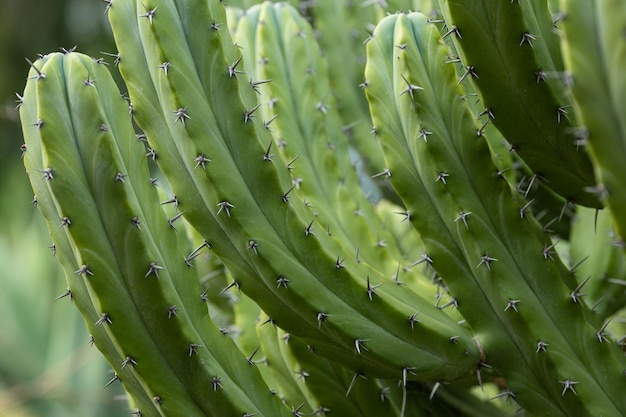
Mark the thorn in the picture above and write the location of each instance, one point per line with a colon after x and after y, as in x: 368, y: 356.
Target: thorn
x: 512, y: 304
x: 89, y: 82
x: 601, y: 334
x: 386, y: 173
x: 302, y: 374
x: 360, y: 344
x: 410, y: 88
x: 194, y: 253
x: 165, y: 66
x: 67, y: 293
x: 321, y: 319
x: 115, y: 378
x: 149, y: 13
x: 453, y: 59
x: 469, y: 70
x: 119, y: 177
x: 413, y: 319
x: 249, y: 359
x: 548, y: 251
x: 371, y: 289
x: 201, y: 161
x: 104, y: 318
x: 173, y: 200
x: 527, y: 38
x: 153, y: 269
x: 117, y: 57
x: 39, y: 75
x: 19, y: 101
x: 354, y: 377
x: 108, y: 6
x: 271, y: 321
x: 151, y: 154
x: 339, y: 263
x: 193, y: 348
x: 252, y: 244
x: 405, y: 374
x: 215, y: 26
x: 442, y: 177
x: 542, y: 346
x: 226, y: 206
x: 47, y: 174
x: 309, y: 229
x: 267, y: 156
x: 129, y: 362
x: 180, y: 115
x: 453, y: 302
x: 424, y: 134
x: 65, y: 221
x: 396, y: 276
x: 232, y: 70
x: 290, y: 164
x: 249, y: 114
x: 488, y: 112
x: 216, y: 382
x: 83, y: 270
x: 523, y: 211
x: 282, y: 281
x: 577, y: 264
x: 486, y: 260
x: 434, y: 391
x: 507, y: 393
x: 135, y: 222
x: 561, y: 112
x: 453, y: 29
x: 568, y: 385
x: 229, y: 286
x: 463, y: 217
x: 171, y: 220
x: 267, y: 124
x: 172, y: 311
x: 576, y: 294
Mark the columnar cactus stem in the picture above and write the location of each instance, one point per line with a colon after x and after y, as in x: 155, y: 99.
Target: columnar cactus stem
x: 477, y: 239
x: 594, y: 45
x: 143, y: 293
x: 510, y: 64
x: 77, y: 290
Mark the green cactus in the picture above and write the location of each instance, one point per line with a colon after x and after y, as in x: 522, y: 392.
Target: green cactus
x: 511, y: 52
x: 594, y: 46
x: 264, y: 278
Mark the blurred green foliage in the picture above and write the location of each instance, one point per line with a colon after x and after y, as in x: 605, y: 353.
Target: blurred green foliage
x: 47, y: 367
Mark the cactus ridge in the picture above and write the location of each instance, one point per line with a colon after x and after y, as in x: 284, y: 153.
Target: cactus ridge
x: 595, y: 51
x: 172, y: 342
x: 471, y: 225
x: 490, y: 29
x: 77, y: 288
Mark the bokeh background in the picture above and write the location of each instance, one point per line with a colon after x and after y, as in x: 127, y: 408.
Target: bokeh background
x: 47, y: 367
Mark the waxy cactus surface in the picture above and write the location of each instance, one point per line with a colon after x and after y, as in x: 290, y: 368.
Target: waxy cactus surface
x: 313, y: 207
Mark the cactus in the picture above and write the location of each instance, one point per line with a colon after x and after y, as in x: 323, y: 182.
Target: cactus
x: 428, y: 298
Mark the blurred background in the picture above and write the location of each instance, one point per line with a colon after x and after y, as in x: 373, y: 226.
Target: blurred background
x: 47, y: 367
